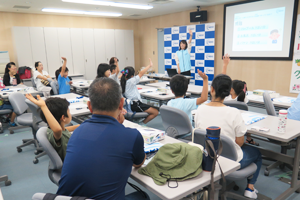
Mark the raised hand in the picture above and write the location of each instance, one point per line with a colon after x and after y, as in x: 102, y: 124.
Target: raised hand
x: 202, y: 75
x: 39, y: 102
x: 226, y: 59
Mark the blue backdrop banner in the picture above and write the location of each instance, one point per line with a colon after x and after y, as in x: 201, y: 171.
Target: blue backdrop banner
x: 202, y: 52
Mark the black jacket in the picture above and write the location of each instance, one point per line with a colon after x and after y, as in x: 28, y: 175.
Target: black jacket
x: 6, y: 79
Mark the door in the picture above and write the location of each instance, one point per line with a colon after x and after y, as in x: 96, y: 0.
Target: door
x: 22, y: 46
x: 100, y: 46
x: 65, y: 48
x: 160, y: 51
x: 77, y: 50
x: 109, y: 35
x: 129, y: 46
x: 52, y: 50
x: 38, y: 47
x: 121, y: 48
x: 89, y: 54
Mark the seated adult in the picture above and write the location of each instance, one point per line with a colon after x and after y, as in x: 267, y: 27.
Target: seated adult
x: 41, y: 77
x: 101, y: 151
x: 10, y: 74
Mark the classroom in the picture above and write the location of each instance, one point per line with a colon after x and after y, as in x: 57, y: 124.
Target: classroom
x: 149, y: 99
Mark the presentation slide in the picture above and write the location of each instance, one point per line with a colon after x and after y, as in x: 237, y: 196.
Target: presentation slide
x: 259, y: 29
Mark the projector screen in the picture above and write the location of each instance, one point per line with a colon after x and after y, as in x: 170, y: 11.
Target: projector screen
x: 260, y: 30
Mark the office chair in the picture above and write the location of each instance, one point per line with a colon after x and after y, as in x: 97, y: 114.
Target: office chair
x: 130, y: 115
x: 33, y: 83
x: 37, y: 123
x: 55, y: 163
x: 229, y: 152
x: 284, y: 146
x: 236, y: 104
x: 40, y: 196
x: 23, y: 119
x: 176, y: 122
x: 5, y: 178
x: 4, y: 112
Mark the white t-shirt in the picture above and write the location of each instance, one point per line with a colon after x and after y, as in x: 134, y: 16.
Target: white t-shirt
x: 229, y: 98
x: 227, y: 118
x: 131, y: 91
x: 38, y: 83
x: 115, y: 77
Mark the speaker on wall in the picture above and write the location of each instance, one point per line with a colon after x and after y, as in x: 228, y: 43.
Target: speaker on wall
x: 198, y: 16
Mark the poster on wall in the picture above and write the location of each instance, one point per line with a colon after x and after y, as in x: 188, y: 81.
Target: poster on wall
x: 295, y: 76
x: 202, y: 53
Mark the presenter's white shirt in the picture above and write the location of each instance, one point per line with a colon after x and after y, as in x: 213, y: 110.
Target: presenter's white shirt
x: 227, y: 118
x: 229, y: 98
x: 38, y: 83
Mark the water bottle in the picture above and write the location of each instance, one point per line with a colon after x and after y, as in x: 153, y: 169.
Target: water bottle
x: 14, y: 81
x: 212, y: 134
x: 282, y: 121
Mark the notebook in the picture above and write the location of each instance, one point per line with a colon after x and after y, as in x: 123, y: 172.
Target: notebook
x: 250, y: 118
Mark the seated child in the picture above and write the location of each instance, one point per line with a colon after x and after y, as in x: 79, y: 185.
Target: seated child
x: 179, y: 86
x: 114, y: 69
x: 238, y: 92
x: 232, y: 125
x: 130, y: 91
x: 63, y: 79
x: 103, y: 70
x: 55, y: 112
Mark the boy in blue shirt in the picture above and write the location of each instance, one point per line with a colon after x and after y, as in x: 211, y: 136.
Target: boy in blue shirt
x: 294, y: 110
x: 63, y: 80
x: 179, y: 86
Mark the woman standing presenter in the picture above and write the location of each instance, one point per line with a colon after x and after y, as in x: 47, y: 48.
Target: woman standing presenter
x: 182, y: 56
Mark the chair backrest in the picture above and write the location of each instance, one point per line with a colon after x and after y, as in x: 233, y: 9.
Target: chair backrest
x: 34, y: 109
x: 40, y: 196
x: 269, y: 104
x: 176, y: 119
x: 33, y: 83
x: 229, y: 150
x: 17, y: 100
x: 54, y: 86
x: 236, y: 104
x: 55, y: 161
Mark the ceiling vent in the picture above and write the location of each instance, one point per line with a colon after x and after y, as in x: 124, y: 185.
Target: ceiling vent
x: 161, y: 1
x: 21, y: 7
x: 134, y: 15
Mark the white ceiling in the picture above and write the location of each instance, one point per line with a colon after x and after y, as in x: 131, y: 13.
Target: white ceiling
x: 158, y: 9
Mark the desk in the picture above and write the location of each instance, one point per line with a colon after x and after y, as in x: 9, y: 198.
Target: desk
x: 258, y: 102
x: 186, y: 187
x: 155, y: 95
x: 163, y: 76
x: 20, y: 89
x: 193, y: 89
x: 75, y: 112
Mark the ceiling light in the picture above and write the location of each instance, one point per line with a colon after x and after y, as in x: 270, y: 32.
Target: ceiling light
x: 110, y: 3
x: 81, y: 12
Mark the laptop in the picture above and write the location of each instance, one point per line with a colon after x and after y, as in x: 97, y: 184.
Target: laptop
x: 172, y: 72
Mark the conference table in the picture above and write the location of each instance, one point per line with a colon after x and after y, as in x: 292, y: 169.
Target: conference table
x: 281, y: 102
x: 193, y: 89
x: 151, y: 93
x: 159, y: 76
x: 21, y: 88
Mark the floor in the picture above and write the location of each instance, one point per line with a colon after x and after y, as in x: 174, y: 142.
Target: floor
x: 28, y: 178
